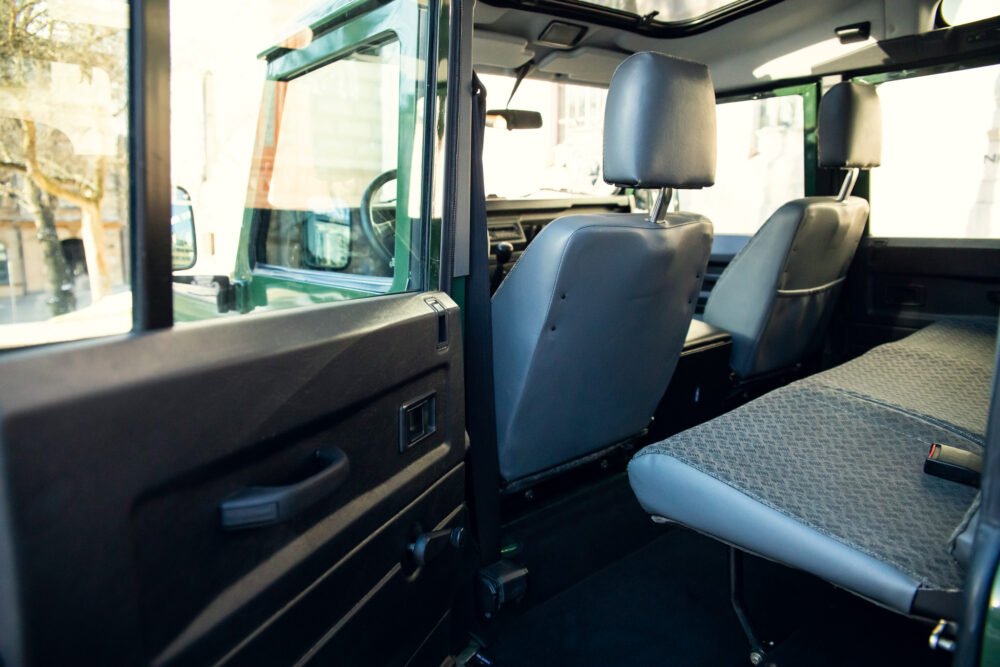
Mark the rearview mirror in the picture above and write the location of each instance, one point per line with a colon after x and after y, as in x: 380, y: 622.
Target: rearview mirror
x: 513, y: 119
x: 184, y: 245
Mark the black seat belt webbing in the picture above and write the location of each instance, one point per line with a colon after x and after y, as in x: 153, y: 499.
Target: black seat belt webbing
x: 484, y: 473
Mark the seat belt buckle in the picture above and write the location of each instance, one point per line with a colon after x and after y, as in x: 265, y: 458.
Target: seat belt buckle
x: 954, y: 464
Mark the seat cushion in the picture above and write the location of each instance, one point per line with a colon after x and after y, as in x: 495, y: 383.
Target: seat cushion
x: 940, y: 374
x: 821, y: 480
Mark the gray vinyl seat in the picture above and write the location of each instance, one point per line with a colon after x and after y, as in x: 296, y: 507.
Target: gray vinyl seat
x: 778, y: 293
x: 590, y: 322
x: 826, y: 474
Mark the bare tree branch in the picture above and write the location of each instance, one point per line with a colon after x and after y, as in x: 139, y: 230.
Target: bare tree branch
x: 42, y: 180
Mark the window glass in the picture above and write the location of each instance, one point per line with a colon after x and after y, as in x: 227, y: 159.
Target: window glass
x: 322, y: 166
x: 957, y: 12
x: 64, y: 185
x: 301, y: 153
x: 760, y: 164
x: 940, y: 152
x: 563, y: 157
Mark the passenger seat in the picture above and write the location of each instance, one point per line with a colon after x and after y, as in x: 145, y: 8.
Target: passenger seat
x: 589, y: 324
x: 777, y: 295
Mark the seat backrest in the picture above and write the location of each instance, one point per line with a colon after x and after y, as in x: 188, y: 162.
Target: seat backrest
x: 590, y: 322
x: 777, y: 295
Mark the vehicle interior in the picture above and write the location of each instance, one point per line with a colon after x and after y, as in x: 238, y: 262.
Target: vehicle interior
x: 752, y: 507
x: 722, y: 273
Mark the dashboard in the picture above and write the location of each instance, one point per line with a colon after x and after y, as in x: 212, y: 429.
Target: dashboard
x: 518, y: 221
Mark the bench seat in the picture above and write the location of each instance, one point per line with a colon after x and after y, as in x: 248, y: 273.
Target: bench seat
x: 826, y: 475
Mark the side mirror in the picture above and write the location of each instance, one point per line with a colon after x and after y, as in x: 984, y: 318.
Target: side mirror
x: 513, y: 119
x: 184, y: 244
x: 327, y: 241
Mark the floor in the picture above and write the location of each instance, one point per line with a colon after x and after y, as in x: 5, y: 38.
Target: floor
x: 666, y: 602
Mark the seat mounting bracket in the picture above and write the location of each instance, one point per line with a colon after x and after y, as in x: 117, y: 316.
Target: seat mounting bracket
x: 758, y: 648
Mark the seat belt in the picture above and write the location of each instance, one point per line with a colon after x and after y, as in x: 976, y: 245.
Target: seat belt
x: 484, y: 467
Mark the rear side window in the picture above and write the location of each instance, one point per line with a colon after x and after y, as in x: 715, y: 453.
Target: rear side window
x: 760, y: 164
x: 940, y: 156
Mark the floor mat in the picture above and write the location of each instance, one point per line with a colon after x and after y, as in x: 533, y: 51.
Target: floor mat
x: 668, y: 604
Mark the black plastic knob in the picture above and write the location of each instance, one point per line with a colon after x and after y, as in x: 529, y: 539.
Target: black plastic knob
x: 503, y: 251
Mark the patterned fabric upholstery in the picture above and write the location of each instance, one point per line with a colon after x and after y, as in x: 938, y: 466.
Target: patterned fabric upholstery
x: 846, y: 467
x: 842, y: 452
x: 941, y: 374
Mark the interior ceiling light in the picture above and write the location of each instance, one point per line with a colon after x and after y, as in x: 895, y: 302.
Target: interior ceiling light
x: 561, y: 35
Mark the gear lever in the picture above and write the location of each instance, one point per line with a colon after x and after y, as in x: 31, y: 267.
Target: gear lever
x: 503, y: 252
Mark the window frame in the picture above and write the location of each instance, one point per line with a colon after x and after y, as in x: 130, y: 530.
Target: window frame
x: 151, y: 190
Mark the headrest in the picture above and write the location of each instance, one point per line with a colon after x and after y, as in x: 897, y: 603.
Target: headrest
x: 659, y: 124
x: 850, y: 127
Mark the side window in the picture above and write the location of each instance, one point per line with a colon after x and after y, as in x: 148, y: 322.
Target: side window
x: 336, y: 126
x: 64, y: 184
x: 331, y: 199
x: 760, y: 164
x: 311, y: 172
x: 940, y: 157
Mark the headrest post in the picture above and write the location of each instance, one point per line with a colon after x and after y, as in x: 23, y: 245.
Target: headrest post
x: 849, y: 181
x: 663, y: 197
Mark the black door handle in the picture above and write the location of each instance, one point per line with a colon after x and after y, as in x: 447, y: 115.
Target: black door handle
x: 257, y: 506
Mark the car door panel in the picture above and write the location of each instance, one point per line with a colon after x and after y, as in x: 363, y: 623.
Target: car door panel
x: 117, y: 454
x: 370, y: 633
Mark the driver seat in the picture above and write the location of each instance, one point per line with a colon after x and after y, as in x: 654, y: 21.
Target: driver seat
x: 590, y: 322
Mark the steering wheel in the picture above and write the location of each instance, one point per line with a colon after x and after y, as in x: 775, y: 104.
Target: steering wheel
x: 381, y: 233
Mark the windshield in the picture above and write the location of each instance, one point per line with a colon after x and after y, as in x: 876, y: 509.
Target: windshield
x: 561, y: 158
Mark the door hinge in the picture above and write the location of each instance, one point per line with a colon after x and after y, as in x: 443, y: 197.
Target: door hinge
x: 233, y: 295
